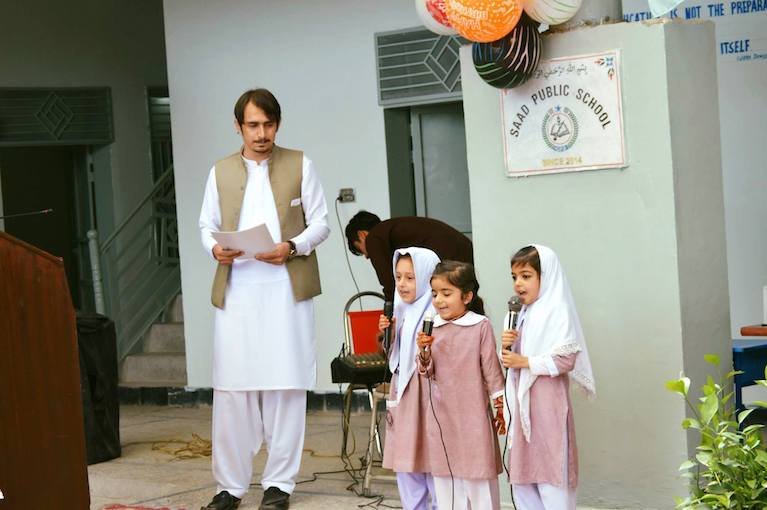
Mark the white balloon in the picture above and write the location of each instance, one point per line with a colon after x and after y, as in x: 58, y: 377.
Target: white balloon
x: 428, y: 20
x: 551, y: 12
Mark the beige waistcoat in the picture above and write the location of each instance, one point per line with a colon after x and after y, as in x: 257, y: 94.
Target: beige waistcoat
x: 285, y: 175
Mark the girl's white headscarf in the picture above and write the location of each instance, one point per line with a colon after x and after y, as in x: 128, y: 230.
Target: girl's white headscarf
x: 410, y: 316
x: 551, y: 328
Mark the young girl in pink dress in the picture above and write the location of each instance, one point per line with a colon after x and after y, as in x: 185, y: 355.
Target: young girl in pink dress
x: 545, y: 351
x: 405, y: 451
x: 460, y: 366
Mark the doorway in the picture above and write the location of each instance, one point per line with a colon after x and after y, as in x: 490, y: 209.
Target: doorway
x: 50, y: 177
x: 426, y: 158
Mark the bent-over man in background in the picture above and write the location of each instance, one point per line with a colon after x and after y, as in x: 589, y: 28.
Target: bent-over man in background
x: 367, y: 235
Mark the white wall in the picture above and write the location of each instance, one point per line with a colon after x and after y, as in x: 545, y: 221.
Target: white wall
x: 94, y: 43
x: 745, y: 181
x: 622, y: 235
x: 319, y: 60
x: 638, y: 250
x: 743, y: 106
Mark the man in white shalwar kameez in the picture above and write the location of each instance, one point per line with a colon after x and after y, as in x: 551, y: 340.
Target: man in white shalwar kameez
x: 264, y: 347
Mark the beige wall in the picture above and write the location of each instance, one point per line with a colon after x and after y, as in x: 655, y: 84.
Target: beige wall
x: 631, y: 242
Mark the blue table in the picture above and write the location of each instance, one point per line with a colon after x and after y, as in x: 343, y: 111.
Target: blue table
x: 750, y: 356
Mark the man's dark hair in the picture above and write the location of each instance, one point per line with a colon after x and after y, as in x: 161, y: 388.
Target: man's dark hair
x: 363, y: 220
x: 261, y: 98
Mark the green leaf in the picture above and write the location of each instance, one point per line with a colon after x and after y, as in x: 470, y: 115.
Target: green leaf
x: 688, y: 423
x: 734, y: 373
x: 717, y: 498
x: 752, y: 428
x: 744, y: 414
x: 678, y: 386
x: 688, y: 464
x: 704, y: 458
x: 686, y: 382
x: 760, y: 403
x: 708, y: 408
x: 714, y: 360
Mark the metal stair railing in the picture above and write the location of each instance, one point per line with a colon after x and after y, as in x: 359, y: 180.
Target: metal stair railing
x: 139, y: 263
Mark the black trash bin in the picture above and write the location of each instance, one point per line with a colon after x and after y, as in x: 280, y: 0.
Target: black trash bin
x: 98, y: 384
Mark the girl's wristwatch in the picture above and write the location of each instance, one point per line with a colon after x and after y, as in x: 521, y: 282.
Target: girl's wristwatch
x: 292, y: 252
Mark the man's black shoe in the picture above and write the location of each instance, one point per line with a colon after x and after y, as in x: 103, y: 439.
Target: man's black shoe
x: 275, y: 499
x: 222, y: 501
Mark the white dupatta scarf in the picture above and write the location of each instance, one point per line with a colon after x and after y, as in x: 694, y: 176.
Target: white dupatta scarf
x: 410, y: 316
x: 551, y: 328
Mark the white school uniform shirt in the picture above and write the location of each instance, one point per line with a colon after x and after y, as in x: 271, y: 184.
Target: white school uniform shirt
x: 263, y: 338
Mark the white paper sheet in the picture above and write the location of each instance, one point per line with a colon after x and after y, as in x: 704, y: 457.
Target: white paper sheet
x: 250, y: 242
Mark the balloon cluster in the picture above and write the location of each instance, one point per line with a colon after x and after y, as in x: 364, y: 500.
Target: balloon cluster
x: 507, y: 44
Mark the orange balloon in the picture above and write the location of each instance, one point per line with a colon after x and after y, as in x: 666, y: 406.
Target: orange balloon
x: 483, y: 20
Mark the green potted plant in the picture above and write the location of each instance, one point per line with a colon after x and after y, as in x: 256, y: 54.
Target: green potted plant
x: 729, y: 469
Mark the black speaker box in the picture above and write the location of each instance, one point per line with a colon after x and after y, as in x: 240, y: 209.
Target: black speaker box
x: 98, y: 383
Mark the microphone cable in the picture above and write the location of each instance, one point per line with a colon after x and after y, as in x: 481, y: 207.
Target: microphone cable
x: 506, y: 443
x: 508, y: 429
x: 444, y: 448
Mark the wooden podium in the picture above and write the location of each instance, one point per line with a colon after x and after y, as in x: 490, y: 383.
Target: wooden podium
x: 42, y: 443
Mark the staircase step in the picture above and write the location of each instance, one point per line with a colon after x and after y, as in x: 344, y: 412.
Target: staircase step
x: 168, y: 337
x: 153, y: 368
x: 176, y: 310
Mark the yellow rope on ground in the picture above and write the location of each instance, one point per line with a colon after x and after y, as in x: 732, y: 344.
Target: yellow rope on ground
x: 182, y: 449
x: 199, y: 447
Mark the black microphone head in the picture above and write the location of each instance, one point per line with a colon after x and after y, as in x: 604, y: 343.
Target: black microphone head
x: 428, y: 322
x: 388, y: 309
x: 515, y: 304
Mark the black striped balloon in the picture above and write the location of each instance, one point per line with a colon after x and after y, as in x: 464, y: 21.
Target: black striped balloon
x: 511, y: 60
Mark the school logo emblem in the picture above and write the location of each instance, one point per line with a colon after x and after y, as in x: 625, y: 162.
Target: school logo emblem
x: 560, y: 128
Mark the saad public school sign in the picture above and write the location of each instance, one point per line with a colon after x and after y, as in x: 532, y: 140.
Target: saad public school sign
x: 567, y: 117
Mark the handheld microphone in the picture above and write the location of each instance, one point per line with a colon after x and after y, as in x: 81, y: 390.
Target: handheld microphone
x: 33, y: 213
x: 428, y: 324
x: 515, y: 306
x: 388, y: 312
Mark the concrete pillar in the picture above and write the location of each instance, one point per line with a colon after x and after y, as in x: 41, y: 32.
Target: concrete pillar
x: 643, y: 248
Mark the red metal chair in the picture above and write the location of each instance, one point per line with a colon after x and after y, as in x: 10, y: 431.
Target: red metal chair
x: 360, y: 337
